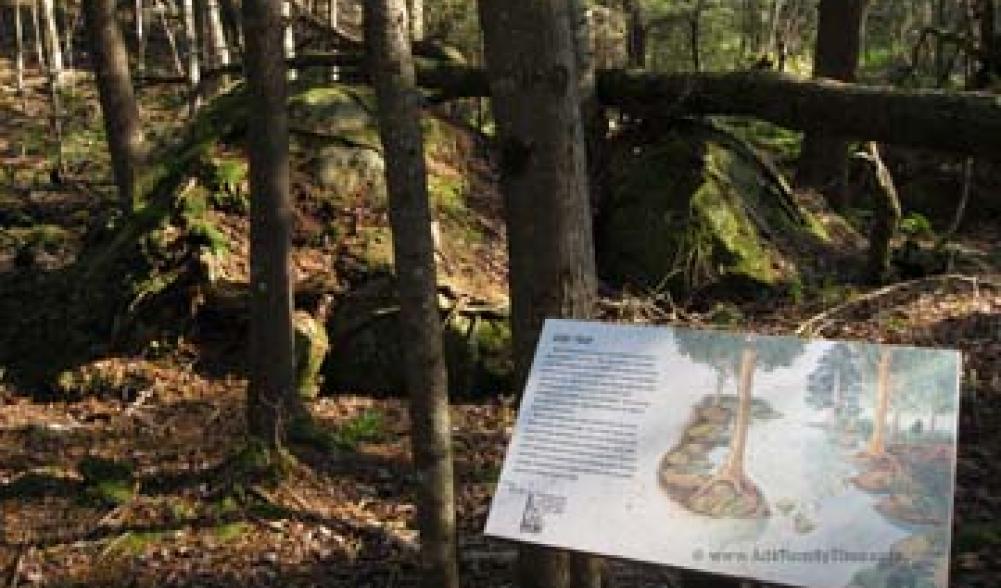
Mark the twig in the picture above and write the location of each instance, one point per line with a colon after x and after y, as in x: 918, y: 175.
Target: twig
x: 815, y: 324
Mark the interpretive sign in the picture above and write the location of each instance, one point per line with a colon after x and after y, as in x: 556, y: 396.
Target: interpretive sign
x: 814, y: 463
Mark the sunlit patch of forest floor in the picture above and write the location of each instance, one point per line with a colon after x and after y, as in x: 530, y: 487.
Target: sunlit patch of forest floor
x: 140, y: 482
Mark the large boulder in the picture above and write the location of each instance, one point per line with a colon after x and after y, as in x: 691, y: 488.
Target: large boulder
x: 698, y: 208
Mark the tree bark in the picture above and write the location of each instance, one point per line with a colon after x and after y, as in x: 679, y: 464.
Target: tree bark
x: 122, y: 125
x: 529, y: 51
x: 399, y: 110
x: 635, y: 35
x: 271, y: 391
x: 823, y: 159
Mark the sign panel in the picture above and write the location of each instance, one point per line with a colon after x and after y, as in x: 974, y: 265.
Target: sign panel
x: 814, y: 463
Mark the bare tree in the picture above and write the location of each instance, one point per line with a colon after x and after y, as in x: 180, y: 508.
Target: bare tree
x: 531, y: 63
x: 118, y: 102
x: 271, y: 389
x: 392, y: 67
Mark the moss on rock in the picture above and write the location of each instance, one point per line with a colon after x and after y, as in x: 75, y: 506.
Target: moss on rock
x: 699, y: 209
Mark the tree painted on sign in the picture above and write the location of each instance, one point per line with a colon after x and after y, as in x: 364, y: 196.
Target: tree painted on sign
x: 834, y: 384
x: 729, y: 491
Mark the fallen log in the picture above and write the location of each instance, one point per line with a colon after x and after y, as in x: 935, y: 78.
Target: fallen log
x: 960, y: 122
x: 967, y: 123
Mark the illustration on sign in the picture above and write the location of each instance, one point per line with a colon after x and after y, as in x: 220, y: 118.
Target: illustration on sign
x: 812, y: 463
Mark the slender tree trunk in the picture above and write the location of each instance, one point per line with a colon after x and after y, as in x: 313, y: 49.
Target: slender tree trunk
x: 271, y: 390
x: 877, y: 443
x: 19, y: 48
x: 36, y: 29
x: 635, y: 34
x: 530, y: 56
x: 695, y: 35
x: 217, y: 34
x: 823, y: 160
x: 193, y: 54
x: 392, y: 68
x: 168, y: 31
x: 140, y: 25
x: 333, y: 15
x: 733, y: 468
x: 53, y: 50
x: 289, y: 38
x: 118, y: 102
x: 415, y: 10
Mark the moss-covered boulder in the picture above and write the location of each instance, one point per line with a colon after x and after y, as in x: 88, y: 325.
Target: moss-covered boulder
x: 366, y: 349
x: 699, y: 208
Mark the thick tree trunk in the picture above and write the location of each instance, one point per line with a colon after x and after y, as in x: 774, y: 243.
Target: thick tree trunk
x: 271, y: 392
x: 529, y: 51
x: 399, y: 109
x: 877, y: 443
x: 118, y: 102
x: 823, y: 160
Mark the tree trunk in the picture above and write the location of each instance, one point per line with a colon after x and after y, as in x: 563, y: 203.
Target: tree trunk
x: 19, y: 49
x: 695, y: 34
x: 161, y: 13
x: 415, y: 8
x: 271, y: 391
x: 36, y: 29
x: 877, y: 443
x: 217, y: 34
x: 635, y: 35
x: 886, y: 216
x: 140, y: 30
x: 194, y: 59
x: 965, y: 123
x: 289, y: 42
x: 529, y: 51
x: 392, y: 67
x: 733, y: 468
x: 823, y: 159
x: 118, y: 102
x: 52, y: 48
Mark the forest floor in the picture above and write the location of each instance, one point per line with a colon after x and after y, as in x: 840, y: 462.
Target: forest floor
x: 136, y: 485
